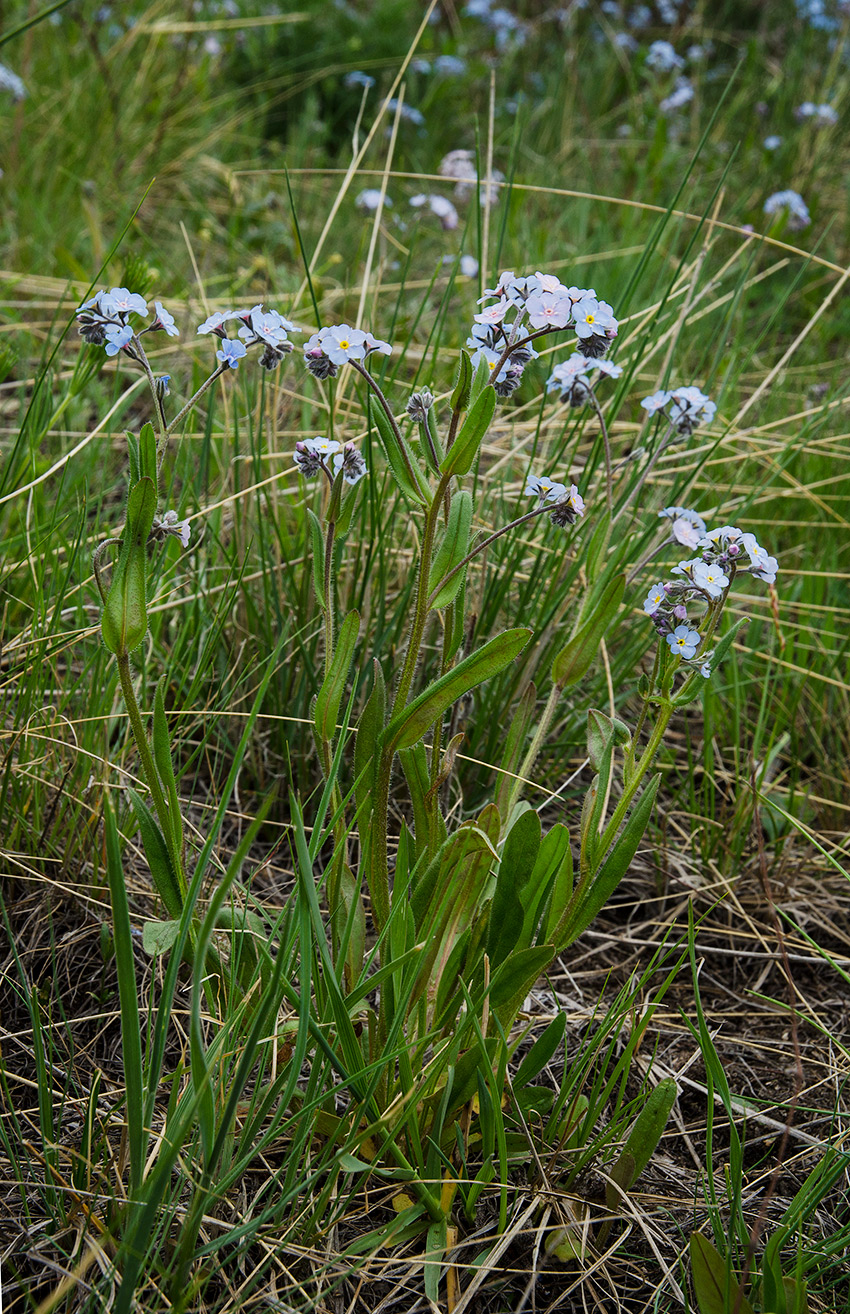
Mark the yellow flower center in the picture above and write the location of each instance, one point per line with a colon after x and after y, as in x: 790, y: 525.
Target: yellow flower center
x: 590, y: 319
x: 344, y: 343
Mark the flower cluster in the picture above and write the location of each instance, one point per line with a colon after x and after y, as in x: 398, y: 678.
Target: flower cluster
x: 312, y: 455
x: 536, y: 303
x: 568, y: 502
x: 663, y: 58
x: 338, y: 344
x: 823, y: 116
x: 263, y: 328
x: 685, y: 408
x: 572, y: 377
x: 724, y: 552
x: 460, y: 166
x: 793, y: 203
x: 104, y: 320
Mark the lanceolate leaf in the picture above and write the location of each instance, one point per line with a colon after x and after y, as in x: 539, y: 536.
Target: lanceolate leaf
x: 401, y: 460
x: 714, y: 1285
x: 648, y: 1128
x: 369, y: 730
x: 156, y: 852
x: 463, y: 387
x: 124, y: 621
x: 147, y: 452
x: 452, y: 550
x: 582, y: 911
x: 415, y: 719
x: 459, y: 459
x: 333, y: 686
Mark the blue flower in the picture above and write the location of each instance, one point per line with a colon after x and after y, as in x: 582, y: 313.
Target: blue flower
x: 546, y: 489
x: 120, y: 301
x: 683, y: 642
x: 656, y: 598
x: 164, y: 320
x: 117, y: 337
x: 232, y: 351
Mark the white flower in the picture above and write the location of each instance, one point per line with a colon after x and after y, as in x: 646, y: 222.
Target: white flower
x: 370, y: 198
x: 215, y: 321
x: 340, y: 343
x: 469, y: 266
x: 549, y: 309
x: 546, y: 489
x: 710, y: 578
x: 656, y: 402
x: 164, y: 320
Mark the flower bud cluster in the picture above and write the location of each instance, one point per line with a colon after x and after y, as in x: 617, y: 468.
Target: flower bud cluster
x: 534, y: 304
x: 315, y: 454
x: 420, y: 404
x: 104, y: 320
x: 337, y: 345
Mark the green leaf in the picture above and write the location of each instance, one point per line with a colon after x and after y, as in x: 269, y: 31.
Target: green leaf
x: 401, y: 460
x: 648, y: 1128
x: 518, y: 730
x: 435, y: 1248
x: 562, y: 888
x: 480, y: 382
x: 541, y: 1051
x: 452, y: 550
x: 159, y: 937
x: 599, y: 540
x: 463, y: 386
x: 318, y: 554
x: 415, y: 719
x: 464, y: 450
x: 507, y: 910
x: 147, y: 453
x: 333, y: 686
x: 124, y: 621
x: 696, y: 684
x: 578, y: 917
x: 159, y: 859
x: 133, y: 457
x: 414, y: 764
x: 714, y: 1286
x: 573, y: 661
x: 346, y: 512
x: 369, y: 730
x: 514, y: 979
x: 165, y: 765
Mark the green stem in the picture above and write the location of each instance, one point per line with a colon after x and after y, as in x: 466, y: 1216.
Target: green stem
x: 148, y: 766
x: 609, y: 478
x: 216, y: 374
x: 423, y: 601
x: 161, y: 430
x: 485, y: 543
